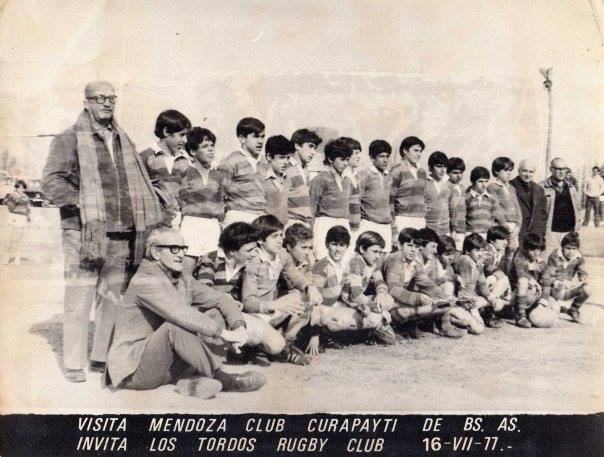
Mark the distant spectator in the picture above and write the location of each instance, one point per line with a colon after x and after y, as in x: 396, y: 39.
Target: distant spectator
x: 570, y: 177
x: 594, y: 188
x: 19, y: 217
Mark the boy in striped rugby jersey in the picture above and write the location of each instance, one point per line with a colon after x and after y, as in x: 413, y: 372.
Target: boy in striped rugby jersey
x: 430, y: 248
x: 530, y: 276
x: 330, y: 194
x: 244, y: 174
x: 475, y: 286
x: 496, y: 262
x: 298, y: 180
x: 408, y: 183
x: 166, y: 162
x: 201, y: 197
x: 278, y: 151
x: 567, y: 274
x: 437, y: 194
x: 457, y: 200
x: 507, y: 200
x: 482, y: 209
x: 377, y: 214
x: 352, y: 173
x: 298, y: 243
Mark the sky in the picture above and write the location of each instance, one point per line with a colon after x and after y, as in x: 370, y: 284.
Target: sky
x: 462, y: 75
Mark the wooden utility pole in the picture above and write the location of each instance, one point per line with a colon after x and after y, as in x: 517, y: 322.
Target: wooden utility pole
x: 547, y: 74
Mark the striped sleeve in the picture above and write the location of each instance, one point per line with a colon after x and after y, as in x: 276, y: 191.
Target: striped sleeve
x: 316, y: 190
x: 393, y: 272
x: 355, y: 207
x: 378, y: 281
x: 457, y: 210
x: 355, y: 285
x: 250, y: 298
x: 298, y: 201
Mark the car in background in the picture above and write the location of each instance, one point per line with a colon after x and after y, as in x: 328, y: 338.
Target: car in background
x: 36, y: 197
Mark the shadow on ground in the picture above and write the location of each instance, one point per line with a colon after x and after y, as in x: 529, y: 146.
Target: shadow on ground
x: 52, y: 331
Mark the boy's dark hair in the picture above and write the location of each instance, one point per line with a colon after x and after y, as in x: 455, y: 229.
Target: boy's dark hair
x: 408, y: 143
x: 438, y: 158
x: 446, y: 246
x: 473, y: 241
x: 368, y: 239
x: 236, y: 235
x: 278, y: 145
x: 408, y: 235
x: 595, y: 168
x: 196, y: 136
x: 296, y: 233
x: 354, y: 144
x: 337, y: 148
x: 266, y: 225
x: 171, y: 120
x: 249, y: 125
x: 571, y: 239
x: 456, y: 163
x: 497, y: 232
x: 21, y: 183
x: 302, y: 136
x: 533, y: 241
x: 479, y: 173
x: 427, y: 235
x: 337, y: 234
x: 501, y: 163
x: 377, y: 147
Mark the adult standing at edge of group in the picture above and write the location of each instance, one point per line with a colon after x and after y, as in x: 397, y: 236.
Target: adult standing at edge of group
x: 594, y: 188
x: 562, y: 203
x: 531, y: 199
x: 108, y: 208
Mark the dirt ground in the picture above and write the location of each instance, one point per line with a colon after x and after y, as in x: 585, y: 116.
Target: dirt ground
x: 504, y: 370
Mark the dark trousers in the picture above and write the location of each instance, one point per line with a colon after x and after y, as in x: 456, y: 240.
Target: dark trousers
x: 592, y: 202
x: 169, y: 352
x: 87, y: 284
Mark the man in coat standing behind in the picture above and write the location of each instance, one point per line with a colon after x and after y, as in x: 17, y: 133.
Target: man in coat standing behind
x: 531, y: 199
x: 108, y: 208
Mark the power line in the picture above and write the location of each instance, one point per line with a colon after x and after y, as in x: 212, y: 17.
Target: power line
x: 42, y: 135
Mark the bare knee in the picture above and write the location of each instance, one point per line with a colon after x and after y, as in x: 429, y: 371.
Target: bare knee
x: 372, y: 320
x: 273, y: 342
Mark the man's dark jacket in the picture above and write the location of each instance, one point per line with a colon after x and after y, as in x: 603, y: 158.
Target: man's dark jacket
x: 534, y: 209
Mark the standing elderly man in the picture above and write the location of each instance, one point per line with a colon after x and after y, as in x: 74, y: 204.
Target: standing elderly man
x: 108, y: 208
x: 594, y: 188
x: 531, y: 199
x: 563, y: 206
x: 159, y: 336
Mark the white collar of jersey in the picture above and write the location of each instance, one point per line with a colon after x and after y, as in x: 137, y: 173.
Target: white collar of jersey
x: 375, y: 171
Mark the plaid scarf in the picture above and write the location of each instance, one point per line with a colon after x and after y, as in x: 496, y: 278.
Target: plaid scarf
x: 145, y: 207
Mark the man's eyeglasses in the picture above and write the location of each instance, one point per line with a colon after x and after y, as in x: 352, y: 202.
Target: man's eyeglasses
x: 559, y: 168
x: 100, y: 99
x: 174, y: 248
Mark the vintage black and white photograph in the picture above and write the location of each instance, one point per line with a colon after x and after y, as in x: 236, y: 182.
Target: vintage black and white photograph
x: 286, y: 207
